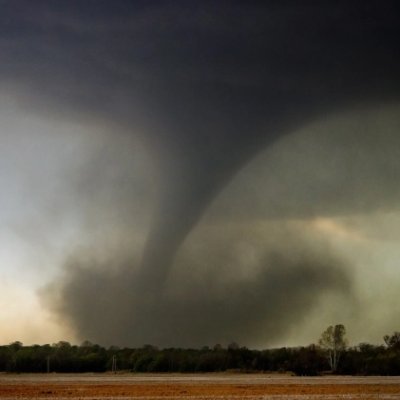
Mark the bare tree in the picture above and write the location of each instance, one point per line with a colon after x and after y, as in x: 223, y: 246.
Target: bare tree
x: 333, y: 341
x: 393, y: 341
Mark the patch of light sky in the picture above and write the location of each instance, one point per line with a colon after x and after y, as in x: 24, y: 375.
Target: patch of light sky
x: 35, y: 155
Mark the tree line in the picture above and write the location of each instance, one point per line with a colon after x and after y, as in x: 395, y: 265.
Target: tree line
x: 364, y: 359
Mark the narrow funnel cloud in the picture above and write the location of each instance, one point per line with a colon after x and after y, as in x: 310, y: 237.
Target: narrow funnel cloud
x: 204, y: 86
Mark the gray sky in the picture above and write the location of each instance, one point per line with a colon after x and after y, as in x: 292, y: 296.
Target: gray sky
x: 189, y: 174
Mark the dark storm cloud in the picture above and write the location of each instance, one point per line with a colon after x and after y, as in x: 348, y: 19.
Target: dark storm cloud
x: 204, y: 85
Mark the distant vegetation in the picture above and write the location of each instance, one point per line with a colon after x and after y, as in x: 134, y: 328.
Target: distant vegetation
x: 364, y: 359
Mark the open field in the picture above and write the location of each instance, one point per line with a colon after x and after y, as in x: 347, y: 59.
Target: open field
x: 196, y: 387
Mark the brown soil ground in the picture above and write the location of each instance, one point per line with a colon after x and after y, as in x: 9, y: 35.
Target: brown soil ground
x: 196, y: 387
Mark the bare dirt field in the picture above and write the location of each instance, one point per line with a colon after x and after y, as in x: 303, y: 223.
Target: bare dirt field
x: 196, y: 387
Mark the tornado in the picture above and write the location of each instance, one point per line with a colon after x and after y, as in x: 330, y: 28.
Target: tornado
x: 205, y: 86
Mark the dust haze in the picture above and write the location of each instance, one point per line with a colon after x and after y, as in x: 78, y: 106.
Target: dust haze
x: 217, y: 292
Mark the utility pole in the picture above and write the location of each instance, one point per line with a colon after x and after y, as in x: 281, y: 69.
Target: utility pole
x: 114, y: 364
x: 48, y: 364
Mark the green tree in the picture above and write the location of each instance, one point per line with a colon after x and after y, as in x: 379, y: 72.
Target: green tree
x: 333, y: 342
